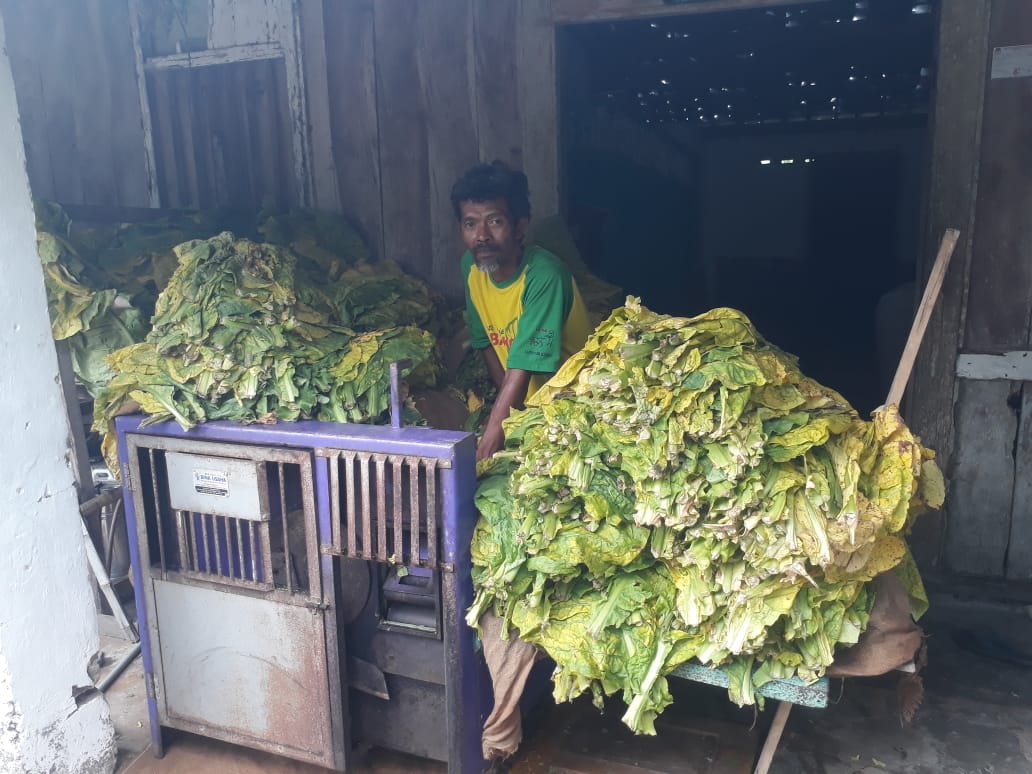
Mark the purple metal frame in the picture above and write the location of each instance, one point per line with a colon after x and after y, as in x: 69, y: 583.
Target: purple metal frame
x: 465, y: 709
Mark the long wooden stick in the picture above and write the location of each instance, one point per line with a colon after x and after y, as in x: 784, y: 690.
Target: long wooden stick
x: 924, y: 314
x: 770, y: 745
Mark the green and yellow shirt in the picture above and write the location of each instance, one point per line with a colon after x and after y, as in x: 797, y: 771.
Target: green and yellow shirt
x: 534, y: 320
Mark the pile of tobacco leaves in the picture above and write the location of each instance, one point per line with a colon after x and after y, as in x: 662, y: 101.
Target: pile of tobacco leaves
x: 240, y: 333
x: 680, y: 490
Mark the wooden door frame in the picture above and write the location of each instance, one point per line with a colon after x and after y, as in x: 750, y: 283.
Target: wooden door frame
x: 585, y: 11
x: 962, y: 55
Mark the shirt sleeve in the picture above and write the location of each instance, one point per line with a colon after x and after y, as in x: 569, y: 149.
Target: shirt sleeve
x: 477, y: 334
x: 547, y: 297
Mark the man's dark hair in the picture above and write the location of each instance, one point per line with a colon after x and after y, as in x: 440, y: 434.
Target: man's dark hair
x: 496, y: 180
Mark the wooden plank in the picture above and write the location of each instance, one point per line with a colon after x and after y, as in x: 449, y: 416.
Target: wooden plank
x: 963, y: 46
x: 981, y: 479
x: 212, y: 57
x: 924, y: 312
x: 257, y: 115
x: 160, y: 94
x: 285, y: 26
x: 1012, y: 366
x: 325, y: 195
x: 1012, y: 62
x: 280, y: 148
x: 128, y: 135
x: 81, y: 468
x: 190, y: 100
x: 150, y: 160
x: 79, y: 115
x: 999, y: 311
x: 242, y: 22
x: 450, y: 126
x: 203, y: 133
x: 92, y: 107
x: 353, y: 114
x: 402, y: 120
x: 1019, y: 550
x: 495, y: 90
x: 538, y: 97
x: 32, y: 107
x: 575, y: 11
x: 59, y: 91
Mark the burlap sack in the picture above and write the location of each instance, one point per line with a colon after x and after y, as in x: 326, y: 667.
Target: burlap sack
x: 892, y: 638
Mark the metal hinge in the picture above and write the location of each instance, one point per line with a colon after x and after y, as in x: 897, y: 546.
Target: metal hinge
x: 316, y: 606
x: 447, y: 566
x: 128, y: 475
x: 151, y: 686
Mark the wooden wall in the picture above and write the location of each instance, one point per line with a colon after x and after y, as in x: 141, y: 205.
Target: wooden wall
x: 989, y: 531
x: 78, y: 99
x: 417, y: 93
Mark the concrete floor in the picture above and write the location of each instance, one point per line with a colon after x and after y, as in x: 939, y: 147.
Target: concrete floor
x: 976, y: 719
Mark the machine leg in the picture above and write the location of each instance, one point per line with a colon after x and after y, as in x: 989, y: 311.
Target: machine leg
x: 770, y: 744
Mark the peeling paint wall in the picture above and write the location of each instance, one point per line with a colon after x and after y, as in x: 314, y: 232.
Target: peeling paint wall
x: 48, y: 627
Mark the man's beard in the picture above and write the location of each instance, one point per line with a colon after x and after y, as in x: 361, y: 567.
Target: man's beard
x: 488, y: 267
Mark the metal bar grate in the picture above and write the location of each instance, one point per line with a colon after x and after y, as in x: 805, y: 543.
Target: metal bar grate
x: 270, y: 546
x: 385, y: 507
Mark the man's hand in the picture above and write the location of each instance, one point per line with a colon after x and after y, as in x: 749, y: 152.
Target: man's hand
x: 492, y: 440
x: 510, y: 396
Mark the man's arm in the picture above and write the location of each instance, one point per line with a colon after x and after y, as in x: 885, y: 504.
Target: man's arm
x: 494, y: 366
x: 510, y: 396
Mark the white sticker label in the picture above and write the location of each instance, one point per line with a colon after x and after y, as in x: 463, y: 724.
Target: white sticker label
x: 211, y: 482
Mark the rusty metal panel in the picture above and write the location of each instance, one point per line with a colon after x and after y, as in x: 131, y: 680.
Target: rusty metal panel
x: 244, y: 670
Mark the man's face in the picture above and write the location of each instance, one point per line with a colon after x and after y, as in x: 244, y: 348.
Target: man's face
x: 491, y: 235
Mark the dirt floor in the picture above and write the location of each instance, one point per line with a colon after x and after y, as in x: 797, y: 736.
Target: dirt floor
x: 976, y: 719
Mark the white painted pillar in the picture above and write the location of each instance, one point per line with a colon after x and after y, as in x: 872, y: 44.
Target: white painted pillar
x: 48, y: 628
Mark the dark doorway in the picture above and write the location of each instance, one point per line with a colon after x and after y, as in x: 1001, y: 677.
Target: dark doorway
x: 773, y: 160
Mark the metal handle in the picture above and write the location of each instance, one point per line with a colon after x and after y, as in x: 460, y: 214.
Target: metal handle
x: 396, y: 367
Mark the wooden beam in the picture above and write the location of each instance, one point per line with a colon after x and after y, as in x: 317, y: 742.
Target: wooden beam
x: 325, y: 193
x: 1019, y: 546
x: 962, y: 70
x: 354, y: 122
x: 577, y: 11
x: 80, y: 456
x: 403, y: 128
x: 1012, y: 366
x: 215, y: 56
x: 538, y: 96
x: 451, y: 131
x: 981, y: 484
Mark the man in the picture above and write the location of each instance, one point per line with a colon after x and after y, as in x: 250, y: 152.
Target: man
x: 526, y: 315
